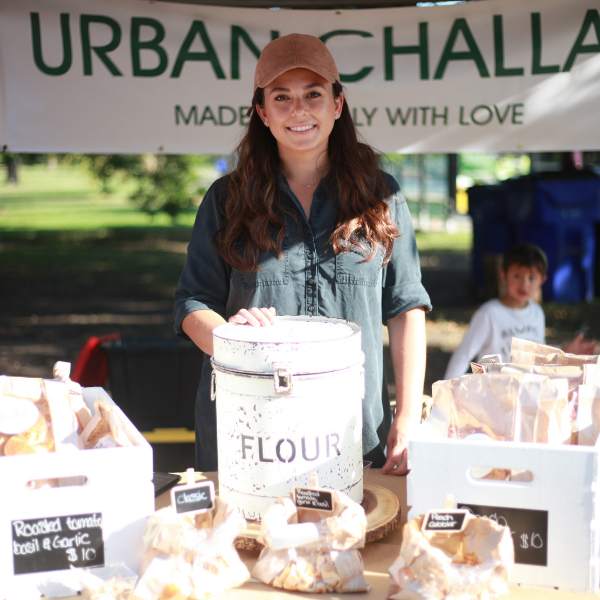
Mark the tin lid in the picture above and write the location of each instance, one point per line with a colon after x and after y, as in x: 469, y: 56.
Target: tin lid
x: 290, y: 329
x: 308, y: 344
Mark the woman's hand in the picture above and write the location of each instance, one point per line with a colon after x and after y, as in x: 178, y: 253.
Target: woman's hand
x: 580, y: 346
x: 256, y: 317
x: 397, y: 451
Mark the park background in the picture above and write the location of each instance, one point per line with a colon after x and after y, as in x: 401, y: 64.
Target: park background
x: 83, y: 253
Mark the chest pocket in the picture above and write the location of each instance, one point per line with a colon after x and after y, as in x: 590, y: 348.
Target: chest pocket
x: 350, y: 270
x: 273, y: 271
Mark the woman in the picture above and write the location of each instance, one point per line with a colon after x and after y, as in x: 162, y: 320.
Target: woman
x: 307, y: 224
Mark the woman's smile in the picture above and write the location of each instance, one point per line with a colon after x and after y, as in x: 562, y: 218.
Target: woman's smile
x: 301, y: 128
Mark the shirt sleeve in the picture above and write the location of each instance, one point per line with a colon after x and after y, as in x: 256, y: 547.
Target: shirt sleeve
x: 204, y: 281
x: 402, y: 287
x: 475, y: 339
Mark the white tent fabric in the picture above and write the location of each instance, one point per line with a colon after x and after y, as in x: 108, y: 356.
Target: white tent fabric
x: 133, y: 76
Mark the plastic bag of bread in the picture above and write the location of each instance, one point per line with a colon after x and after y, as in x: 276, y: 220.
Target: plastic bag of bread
x: 62, y: 372
x: 35, y: 416
x: 591, y: 374
x: 526, y: 352
x: 470, y: 564
x: 309, y: 550
x: 25, y: 422
x: 36, y: 439
x: 574, y: 374
x: 554, y: 417
x: 117, y: 586
x: 555, y: 424
x: 106, y: 429
x: 504, y: 406
x: 588, y: 414
x: 191, y: 556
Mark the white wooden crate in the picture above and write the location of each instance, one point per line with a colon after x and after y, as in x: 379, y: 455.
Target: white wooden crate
x: 118, y: 487
x: 565, y: 485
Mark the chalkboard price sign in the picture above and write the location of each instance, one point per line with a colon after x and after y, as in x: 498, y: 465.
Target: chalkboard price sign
x: 529, y: 530
x: 450, y: 521
x: 56, y: 543
x: 313, y: 498
x: 193, y: 498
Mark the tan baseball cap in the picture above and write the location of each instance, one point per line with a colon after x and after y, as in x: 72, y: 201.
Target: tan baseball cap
x: 295, y: 51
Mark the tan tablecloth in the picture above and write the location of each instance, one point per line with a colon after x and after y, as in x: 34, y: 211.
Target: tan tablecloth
x: 377, y: 557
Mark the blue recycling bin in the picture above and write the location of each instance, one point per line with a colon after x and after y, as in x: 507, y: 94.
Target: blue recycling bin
x: 560, y: 216
x: 493, y: 231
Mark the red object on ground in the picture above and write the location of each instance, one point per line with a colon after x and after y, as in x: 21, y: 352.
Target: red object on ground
x: 91, y: 368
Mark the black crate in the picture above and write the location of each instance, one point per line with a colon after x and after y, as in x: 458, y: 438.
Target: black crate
x: 155, y: 382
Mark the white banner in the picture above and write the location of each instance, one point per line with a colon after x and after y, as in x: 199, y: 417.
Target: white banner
x: 132, y: 76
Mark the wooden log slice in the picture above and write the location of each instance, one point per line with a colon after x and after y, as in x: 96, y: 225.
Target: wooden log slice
x: 382, y: 508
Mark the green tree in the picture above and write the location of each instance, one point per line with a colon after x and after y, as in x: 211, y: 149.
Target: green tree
x: 168, y: 183
x: 104, y: 167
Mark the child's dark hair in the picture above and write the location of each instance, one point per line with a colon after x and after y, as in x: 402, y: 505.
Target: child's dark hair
x: 526, y: 255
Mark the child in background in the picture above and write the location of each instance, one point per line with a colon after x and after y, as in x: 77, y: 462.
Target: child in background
x: 514, y: 314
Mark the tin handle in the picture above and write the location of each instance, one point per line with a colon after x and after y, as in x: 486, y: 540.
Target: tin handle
x: 213, y: 386
x: 282, y: 377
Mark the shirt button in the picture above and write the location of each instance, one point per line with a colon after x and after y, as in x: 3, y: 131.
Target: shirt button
x: 311, y: 308
x: 310, y: 256
x: 311, y: 281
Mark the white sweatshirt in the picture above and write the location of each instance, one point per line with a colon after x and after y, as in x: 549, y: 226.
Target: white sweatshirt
x: 491, y: 330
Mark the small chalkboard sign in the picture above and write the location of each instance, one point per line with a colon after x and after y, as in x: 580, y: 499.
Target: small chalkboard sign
x: 313, y: 498
x: 529, y: 530
x: 444, y: 521
x: 194, y: 498
x: 56, y: 543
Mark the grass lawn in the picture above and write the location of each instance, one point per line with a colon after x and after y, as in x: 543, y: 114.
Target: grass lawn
x: 67, y: 199
x: 437, y: 241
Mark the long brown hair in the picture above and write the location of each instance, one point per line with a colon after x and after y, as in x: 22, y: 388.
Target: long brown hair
x: 254, y: 216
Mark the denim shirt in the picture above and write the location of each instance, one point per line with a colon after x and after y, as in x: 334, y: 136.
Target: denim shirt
x: 309, y: 279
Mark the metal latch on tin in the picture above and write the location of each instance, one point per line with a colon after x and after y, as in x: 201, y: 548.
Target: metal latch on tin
x: 213, y: 386
x: 282, y: 377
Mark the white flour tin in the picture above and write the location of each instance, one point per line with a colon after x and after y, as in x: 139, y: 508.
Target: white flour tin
x: 289, y: 403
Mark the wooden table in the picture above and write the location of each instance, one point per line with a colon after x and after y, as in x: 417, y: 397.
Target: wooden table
x: 377, y: 557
